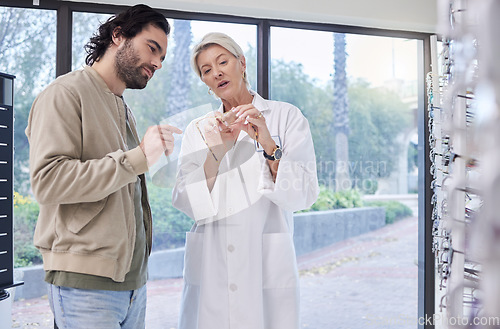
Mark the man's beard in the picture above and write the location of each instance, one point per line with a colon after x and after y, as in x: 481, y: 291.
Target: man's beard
x: 126, y: 67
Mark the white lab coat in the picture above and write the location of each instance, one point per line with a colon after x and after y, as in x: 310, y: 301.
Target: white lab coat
x: 240, y: 269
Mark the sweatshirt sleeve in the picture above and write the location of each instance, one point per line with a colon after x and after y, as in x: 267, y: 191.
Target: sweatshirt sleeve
x: 191, y: 194
x: 58, y: 173
x: 296, y: 185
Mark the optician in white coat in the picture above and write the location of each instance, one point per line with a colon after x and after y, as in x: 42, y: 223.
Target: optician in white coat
x: 240, y: 267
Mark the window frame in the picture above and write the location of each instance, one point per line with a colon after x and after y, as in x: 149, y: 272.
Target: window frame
x: 426, y: 273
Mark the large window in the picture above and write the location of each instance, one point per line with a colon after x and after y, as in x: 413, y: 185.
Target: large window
x: 84, y: 26
x: 360, y: 94
x: 175, y: 96
x: 27, y: 51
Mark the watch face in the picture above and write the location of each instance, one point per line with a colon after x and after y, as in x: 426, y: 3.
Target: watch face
x: 278, y: 153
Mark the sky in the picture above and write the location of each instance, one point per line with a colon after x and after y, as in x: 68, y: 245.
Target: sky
x: 375, y: 59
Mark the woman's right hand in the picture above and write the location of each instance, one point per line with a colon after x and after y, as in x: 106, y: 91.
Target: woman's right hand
x: 220, y: 138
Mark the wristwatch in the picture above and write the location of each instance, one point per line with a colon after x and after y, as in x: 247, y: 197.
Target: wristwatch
x: 277, y: 153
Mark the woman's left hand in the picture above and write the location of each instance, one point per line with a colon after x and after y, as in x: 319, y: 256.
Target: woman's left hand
x: 252, y: 122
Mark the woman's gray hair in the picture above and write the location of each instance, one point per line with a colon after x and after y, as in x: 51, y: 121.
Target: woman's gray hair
x: 221, y: 39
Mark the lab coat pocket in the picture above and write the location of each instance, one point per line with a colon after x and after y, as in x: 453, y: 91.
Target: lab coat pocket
x: 279, y: 262
x: 84, y: 213
x: 193, y: 258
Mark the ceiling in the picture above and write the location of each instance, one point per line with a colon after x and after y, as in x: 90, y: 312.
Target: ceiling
x: 409, y: 15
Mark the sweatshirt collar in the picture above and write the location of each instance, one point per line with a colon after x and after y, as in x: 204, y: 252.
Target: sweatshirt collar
x: 97, y: 78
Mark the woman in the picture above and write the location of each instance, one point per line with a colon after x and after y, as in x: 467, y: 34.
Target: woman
x: 242, y: 172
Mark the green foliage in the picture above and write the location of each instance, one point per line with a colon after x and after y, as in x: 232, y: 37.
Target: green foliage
x: 27, y: 51
x: 369, y: 186
x: 377, y: 116
x: 328, y: 200
x: 169, y: 224
x: 412, y: 157
x: 290, y: 84
x: 84, y: 26
x: 394, y: 210
x: 25, y: 216
x: 348, y: 199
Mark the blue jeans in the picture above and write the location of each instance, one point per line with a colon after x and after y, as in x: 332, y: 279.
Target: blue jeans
x: 96, y: 309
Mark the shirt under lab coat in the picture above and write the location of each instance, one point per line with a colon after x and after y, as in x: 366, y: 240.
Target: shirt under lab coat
x: 240, y: 268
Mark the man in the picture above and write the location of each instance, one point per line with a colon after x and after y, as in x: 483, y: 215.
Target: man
x: 87, y: 170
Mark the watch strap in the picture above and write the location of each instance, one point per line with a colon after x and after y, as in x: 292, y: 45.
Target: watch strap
x: 270, y: 157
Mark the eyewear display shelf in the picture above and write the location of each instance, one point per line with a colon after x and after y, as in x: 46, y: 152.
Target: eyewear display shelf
x: 6, y: 184
x: 463, y: 92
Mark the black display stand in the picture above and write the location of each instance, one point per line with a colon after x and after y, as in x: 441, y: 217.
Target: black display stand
x: 6, y: 184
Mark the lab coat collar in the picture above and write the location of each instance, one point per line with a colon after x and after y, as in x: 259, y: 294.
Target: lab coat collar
x: 259, y: 102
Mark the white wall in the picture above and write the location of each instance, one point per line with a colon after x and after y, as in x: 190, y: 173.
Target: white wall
x: 410, y: 15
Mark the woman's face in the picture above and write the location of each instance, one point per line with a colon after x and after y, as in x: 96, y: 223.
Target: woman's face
x: 222, y: 72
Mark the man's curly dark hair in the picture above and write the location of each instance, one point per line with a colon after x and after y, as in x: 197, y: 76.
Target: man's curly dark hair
x: 129, y: 24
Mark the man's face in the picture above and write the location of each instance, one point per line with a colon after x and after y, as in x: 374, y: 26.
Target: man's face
x: 139, y: 57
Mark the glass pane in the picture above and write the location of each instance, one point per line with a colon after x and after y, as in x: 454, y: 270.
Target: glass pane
x: 84, y: 26
x: 28, y: 52
x: 176, y: 95
x: 359, y: 94
x: 176, y: 87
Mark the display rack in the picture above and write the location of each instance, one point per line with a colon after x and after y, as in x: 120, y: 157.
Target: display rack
x: 464, y: 126
x: 6, y: 184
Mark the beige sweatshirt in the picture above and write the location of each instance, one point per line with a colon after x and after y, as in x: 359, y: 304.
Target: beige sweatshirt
x: 83, y: 177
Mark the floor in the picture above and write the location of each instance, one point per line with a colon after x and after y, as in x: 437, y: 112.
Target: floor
x: 369, y: 281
